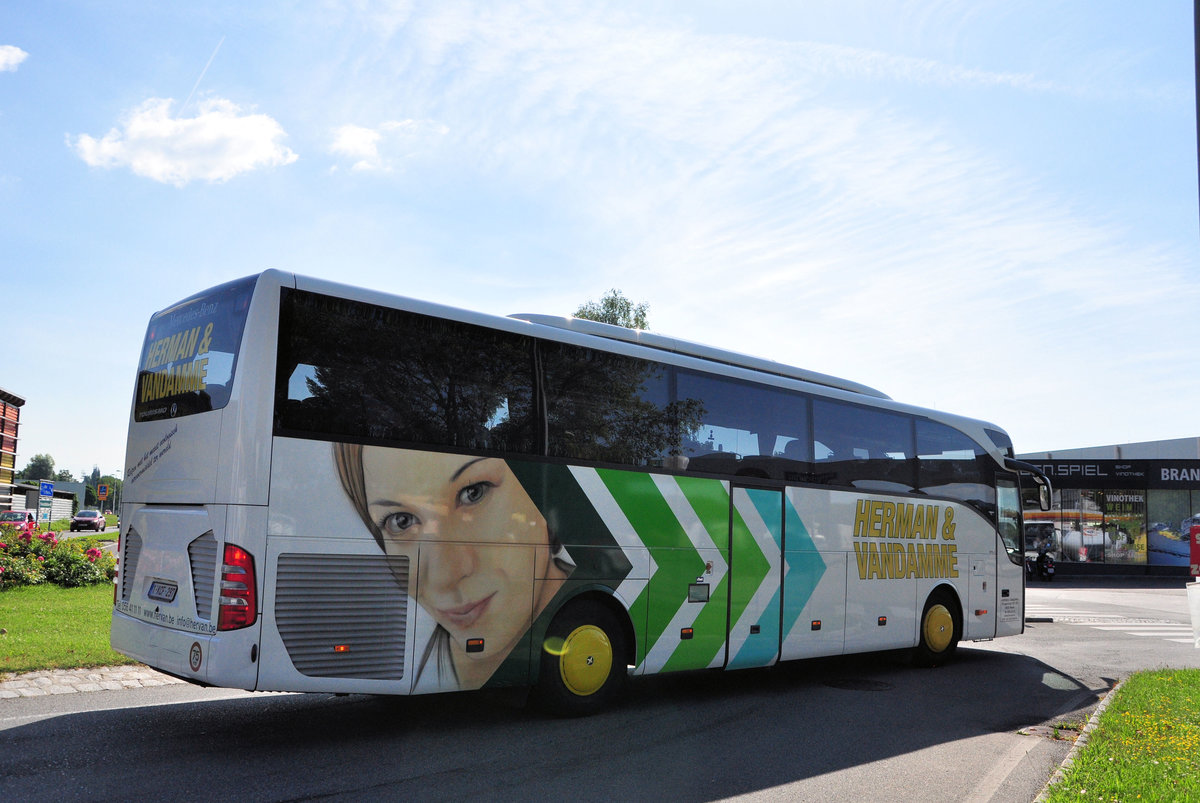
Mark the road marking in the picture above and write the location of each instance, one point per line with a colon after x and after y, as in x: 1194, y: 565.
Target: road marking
x: 1147, y: 628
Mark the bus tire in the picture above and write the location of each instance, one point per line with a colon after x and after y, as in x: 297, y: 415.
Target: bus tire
x: 939, y: 631
x: 584, y: 660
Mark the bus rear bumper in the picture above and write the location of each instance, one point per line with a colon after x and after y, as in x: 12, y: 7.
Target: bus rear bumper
x: 224, y: 659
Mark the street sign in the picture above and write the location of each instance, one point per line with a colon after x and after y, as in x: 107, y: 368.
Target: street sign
x: 102, y: 491
x: 45, y: 499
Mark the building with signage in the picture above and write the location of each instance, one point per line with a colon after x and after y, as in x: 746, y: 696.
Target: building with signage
x: 10, y: 418
x: 1123, y: 509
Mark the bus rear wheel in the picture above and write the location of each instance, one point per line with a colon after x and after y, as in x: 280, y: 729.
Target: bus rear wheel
x: 583, y: 665
x: 940, y: 631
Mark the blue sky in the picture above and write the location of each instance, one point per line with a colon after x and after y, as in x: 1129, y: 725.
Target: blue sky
x: 988, y: 207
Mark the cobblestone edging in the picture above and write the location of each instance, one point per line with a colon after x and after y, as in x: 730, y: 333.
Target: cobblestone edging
x: 74, y: 681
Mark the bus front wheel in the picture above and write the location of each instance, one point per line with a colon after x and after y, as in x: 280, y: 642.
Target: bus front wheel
x: 583, y: 660
x: 940, y: 630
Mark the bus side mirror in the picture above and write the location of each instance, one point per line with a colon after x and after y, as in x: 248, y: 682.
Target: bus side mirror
x: 1044, y: 500
x: 1045, y: 497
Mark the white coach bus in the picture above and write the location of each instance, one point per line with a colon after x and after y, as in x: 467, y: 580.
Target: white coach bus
x: 332, y: 489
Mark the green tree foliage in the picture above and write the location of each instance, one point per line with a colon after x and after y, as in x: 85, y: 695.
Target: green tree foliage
x: 616, y: 309
x: 64, y: 476
x: 40, y: 467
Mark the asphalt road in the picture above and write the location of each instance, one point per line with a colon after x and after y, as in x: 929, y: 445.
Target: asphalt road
x: 868, y: 727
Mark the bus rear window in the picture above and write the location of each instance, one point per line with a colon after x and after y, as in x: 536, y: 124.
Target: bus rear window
x: 188, y: 359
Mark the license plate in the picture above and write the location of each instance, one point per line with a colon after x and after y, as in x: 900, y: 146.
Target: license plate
x: 163, y: 592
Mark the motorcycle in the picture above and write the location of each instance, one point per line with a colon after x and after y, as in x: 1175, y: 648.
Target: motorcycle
x: 1042, y: 568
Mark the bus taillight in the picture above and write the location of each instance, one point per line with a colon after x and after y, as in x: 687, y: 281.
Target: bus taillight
x: 239, y: 605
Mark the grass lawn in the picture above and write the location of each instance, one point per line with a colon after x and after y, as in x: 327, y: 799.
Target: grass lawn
x: 47, y: 627
x: 1146, y: 745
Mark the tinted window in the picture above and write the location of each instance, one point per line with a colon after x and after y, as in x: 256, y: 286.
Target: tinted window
x: 608, y: 408
x: 353, y: 369
x: 188, y: 358
x: 862, y: 448
x: 951, y: 464
x: 745, y: 429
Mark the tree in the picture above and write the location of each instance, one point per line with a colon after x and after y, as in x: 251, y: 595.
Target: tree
x: 40, y: 467
x: 616, y: 309
x: 64, y: 476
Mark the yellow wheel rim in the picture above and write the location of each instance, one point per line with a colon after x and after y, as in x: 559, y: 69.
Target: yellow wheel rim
x: 586, y: 660
x: 938, y: 628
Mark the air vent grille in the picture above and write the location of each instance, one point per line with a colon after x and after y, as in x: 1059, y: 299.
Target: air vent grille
x: 343, y: 616
x: 131, y: 551
x: 202, y: 555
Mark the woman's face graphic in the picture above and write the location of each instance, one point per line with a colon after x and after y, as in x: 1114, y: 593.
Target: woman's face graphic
x: 471, y: 517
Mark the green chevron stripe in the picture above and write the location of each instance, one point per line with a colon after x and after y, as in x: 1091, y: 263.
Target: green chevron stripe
x: 710, y: 500
x: 676, y: 559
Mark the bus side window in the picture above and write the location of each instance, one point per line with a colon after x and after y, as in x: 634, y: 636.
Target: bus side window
x: 349, y: 368
x: 607, y: 407
x: 951, y: 464
x: 863, y: 448
x: 744, y: 429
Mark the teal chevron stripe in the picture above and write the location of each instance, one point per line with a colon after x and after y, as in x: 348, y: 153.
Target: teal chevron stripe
x: 761, y: 582
x: 804, y: 567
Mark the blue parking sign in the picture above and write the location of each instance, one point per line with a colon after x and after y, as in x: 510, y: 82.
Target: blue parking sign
x: 47, y: 488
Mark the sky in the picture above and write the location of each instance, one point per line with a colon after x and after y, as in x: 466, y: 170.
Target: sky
x: 987, y: 208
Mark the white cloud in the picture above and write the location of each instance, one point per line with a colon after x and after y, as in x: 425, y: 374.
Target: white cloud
x: 11, y: 57
x: 815, y: 203
x: 381, y: 148
x: 220, y: 142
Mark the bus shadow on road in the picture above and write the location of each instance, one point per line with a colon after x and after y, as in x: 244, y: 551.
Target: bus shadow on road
x: 688, y: 736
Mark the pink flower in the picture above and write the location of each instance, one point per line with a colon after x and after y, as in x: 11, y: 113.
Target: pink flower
x: 40, y: 558
x: 3, y: 545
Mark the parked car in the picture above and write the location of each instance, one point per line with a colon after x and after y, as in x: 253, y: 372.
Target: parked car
x: 88, y: 520
x: 21, y: 520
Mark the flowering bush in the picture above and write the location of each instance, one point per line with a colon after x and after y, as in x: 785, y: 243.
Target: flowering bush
x: 30, y: 559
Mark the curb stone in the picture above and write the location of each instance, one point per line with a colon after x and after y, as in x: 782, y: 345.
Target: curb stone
x: 1080, y: 742
x: 75, y: 681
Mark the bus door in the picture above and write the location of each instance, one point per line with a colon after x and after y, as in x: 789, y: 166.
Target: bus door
x: 755, y: 588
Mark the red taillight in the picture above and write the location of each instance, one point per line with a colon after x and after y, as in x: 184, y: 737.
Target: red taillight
x: 239, y: 605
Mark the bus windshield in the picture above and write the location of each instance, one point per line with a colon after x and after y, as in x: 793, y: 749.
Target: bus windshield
x: 188, y: 359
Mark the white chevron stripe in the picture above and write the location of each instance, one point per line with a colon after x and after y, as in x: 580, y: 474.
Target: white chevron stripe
x: 626, y: 537
x: 697, y: 533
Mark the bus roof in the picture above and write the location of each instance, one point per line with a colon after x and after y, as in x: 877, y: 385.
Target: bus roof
x: 711, y: 353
